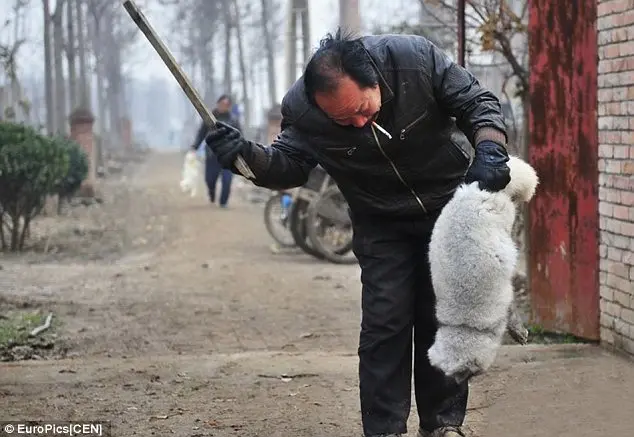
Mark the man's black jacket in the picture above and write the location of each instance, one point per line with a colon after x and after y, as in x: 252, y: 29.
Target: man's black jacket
x: 434, y: 110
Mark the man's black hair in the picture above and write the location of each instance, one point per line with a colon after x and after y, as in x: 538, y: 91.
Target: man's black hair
x: 337, y: 56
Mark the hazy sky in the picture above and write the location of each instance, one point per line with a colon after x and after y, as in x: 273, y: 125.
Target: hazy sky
x: 144, y: 61
x: 323, y: 18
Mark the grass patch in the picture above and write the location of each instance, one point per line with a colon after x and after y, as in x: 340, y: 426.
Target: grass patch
x: 15, y: 326
x: 16, y: 343
x: 537, y: 334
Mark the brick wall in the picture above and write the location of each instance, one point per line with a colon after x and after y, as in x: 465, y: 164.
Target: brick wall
x: 616, y: 171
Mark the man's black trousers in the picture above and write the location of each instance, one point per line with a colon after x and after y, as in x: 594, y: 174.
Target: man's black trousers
x: 398, y: 301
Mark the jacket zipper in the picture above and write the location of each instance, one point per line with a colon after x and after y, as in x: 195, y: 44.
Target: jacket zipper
x: 348, y: 150
x: 398, y: 174
x: 409, y: 126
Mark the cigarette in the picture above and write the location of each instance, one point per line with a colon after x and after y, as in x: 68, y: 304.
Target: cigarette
x: 383, y: 131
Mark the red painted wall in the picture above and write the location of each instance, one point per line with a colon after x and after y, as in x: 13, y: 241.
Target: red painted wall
x: 563, y: 148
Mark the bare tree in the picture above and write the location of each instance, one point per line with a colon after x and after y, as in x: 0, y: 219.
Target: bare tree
x: 228, y: 26
x: 98, y: 29
x: 240, y: 36
x: 58, y: 63
x: 82, y: 49
x: 267, y: 24
x: 500, y: 27
x: 241, y: 62
x: 71, y: 52
x: 349, y: 15
x: 96, y: 10
x: 17, y: 106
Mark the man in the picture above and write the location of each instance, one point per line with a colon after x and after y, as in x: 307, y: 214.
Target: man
x: 435, y: 112
x: 213, y: 169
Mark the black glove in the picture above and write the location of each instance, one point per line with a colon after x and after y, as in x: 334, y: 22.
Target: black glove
x: 227, y: 143
x: 489, y: 167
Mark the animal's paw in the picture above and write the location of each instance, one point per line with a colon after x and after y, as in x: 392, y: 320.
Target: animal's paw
x: 461, y: 352
x: 453, y: 364
x: 515, y: 327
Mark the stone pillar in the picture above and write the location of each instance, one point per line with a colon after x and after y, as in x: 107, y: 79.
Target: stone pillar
x: 81, y: 123
x: 126, y: 134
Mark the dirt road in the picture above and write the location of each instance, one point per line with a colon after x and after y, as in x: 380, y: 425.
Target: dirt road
x: 178, y: 320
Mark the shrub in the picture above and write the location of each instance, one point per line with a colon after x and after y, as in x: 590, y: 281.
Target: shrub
x: 77, y: 169
x: 31, y: 167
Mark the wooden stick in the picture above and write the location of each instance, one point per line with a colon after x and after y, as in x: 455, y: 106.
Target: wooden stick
x: 180, y: 76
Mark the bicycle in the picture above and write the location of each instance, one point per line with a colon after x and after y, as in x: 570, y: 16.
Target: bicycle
x: 298, y: 211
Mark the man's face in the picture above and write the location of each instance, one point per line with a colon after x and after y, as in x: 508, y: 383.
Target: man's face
x: 350, y: 105
x: 224, y: 105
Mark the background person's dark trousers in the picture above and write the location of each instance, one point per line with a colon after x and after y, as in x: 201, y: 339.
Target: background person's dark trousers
x: 212, y: 171
x: 397, y: 297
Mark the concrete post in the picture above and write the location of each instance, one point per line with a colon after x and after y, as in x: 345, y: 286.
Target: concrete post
x: 126, y: 134
x: 81, y: 123
x: 274, y: 118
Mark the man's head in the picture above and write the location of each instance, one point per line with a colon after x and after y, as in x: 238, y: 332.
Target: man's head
x: 342, y: 82
x: 223, y: 104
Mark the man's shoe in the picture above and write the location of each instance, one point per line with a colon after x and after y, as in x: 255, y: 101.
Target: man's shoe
x: 446, y: 431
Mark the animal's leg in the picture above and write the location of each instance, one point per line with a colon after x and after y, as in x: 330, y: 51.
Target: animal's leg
x: 515, y: 327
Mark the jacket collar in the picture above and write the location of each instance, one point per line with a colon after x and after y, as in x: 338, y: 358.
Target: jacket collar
x: 386, y: 92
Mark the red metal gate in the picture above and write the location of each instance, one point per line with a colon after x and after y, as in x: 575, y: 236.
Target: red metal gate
x: 563, y: 148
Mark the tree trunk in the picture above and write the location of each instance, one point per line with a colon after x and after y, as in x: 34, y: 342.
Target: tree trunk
x: 15, y: 233
x: 48, y: 70
x: 243, y: 69
x: 349, y: 16
x: 95, y: 35
x: 228, y: 25
x: 270, y: 56
x: 84, y: 81
x: 112, y: 63
x: 58, y: 54
x: 71, y: 56
x: 3, y: 241
x: 208, y: 73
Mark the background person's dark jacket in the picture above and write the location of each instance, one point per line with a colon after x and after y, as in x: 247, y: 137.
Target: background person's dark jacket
x: 422, y: 92
x: 226, y: 117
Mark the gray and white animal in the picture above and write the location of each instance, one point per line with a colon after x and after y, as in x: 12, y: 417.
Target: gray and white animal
x: 472, y: 258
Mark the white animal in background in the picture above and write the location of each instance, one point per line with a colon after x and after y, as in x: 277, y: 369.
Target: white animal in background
x: 191, y: 173
x: 472, y: 258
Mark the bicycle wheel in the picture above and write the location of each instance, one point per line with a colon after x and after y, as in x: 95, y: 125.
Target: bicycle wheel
x: 276, y: 220
x: 329, y: 227
x: 297, y: 225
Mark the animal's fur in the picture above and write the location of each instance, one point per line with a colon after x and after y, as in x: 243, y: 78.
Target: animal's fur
x: 472, y: 258
x: 191, y: 173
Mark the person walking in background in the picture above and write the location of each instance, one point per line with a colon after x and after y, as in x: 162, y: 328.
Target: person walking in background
x: 213, y: 169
